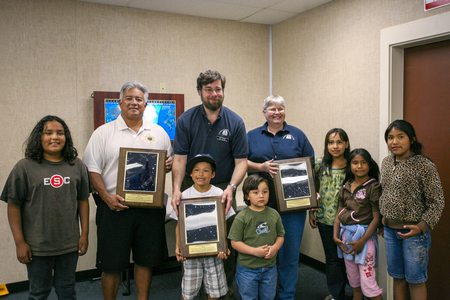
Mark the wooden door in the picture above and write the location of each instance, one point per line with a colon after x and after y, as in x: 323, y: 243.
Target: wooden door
x: 427, y: 108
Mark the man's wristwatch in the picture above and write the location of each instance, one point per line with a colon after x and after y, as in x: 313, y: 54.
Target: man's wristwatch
x: 233, y: 185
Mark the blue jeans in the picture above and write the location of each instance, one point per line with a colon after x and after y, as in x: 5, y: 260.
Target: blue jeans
x: 41, y: 277
x: 288, y: 255
x: 335, y: 266
x: 407, y: 258
x: 258, y: 283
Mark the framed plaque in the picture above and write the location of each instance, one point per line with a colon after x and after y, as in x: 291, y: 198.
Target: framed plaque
x: 202, y: 227
x: 294, y: 185
x: 141, y: 177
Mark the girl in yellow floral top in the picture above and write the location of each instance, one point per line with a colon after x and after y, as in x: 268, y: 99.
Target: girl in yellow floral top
x: 330, y: 175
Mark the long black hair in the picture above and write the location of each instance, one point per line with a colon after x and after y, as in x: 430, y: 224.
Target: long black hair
x: 34, y: 150
x: 327, y: 159
x: 374, y: 171
x: 407, y: 128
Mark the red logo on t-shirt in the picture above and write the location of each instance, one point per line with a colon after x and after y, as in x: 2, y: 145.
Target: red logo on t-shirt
x: 56, y: 181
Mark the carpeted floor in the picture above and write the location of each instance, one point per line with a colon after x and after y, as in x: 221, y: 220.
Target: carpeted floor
x: 310, y: 286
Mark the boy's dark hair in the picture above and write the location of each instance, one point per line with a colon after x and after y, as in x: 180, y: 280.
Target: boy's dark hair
x: 407, y: 128
x: 327, y: 159
x: 374, y: 171
x: 251, y: 183
x: 34, y: 150
x: 208, y: 77
x: 202, y: 157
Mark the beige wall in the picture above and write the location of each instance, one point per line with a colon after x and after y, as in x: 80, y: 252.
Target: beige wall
x: 326, y: 64
x: 54, y: 54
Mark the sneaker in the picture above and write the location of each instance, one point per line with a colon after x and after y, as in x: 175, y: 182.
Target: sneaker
x: 329, y: 297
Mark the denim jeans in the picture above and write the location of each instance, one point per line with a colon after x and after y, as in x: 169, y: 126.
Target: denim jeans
x: 335, y: 266
x: 258, y: 283
x: 59, y: 270
x: 288, y: 255
x: 407, y: 258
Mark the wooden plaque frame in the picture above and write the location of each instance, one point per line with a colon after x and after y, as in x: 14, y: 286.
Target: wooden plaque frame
x: 215, y: 241
x: 144, y: 188
x: 295, y: 192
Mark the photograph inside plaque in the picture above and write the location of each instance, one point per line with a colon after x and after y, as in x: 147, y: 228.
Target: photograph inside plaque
x: 140, y: 171
x: 201, y: 223
x: 294, y: 179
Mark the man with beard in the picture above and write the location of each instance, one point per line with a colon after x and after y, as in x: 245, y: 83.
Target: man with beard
x: 214, y: 129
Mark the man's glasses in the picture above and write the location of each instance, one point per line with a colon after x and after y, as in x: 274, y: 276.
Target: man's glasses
x: 210, y: 90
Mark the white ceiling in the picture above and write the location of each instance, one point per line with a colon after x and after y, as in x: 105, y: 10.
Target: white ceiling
x: 268, y: 12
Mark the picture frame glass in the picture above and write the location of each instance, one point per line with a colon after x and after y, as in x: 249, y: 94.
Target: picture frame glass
x: 294, y: 179
x: 201, y: 223
x: 140, y: 171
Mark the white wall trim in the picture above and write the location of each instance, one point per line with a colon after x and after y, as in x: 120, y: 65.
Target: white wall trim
x: 393, y: 41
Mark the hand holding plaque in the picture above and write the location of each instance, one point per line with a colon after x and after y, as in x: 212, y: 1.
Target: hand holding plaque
x: 202, y: 227
x: 141, y: 177
x: 294, y: 185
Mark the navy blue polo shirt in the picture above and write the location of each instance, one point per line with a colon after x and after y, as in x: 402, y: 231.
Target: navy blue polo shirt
x: 225, y: 139
x: 290, y: 142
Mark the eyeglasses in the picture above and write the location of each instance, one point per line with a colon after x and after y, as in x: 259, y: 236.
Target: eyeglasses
x: 210, y: 90
x: 274, y: 110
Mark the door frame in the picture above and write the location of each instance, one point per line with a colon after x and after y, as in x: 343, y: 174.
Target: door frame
x: 393, y: 41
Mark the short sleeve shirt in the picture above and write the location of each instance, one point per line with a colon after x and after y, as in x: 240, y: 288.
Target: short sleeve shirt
x: 290, y: 142
x: 255, y: 229
x: 225, y: 140
x: 193, y: 193
x: 48, y: 194
x: 103, y: 149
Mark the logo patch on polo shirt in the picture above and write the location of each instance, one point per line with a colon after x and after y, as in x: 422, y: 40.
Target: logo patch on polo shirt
x: 224, y: 135
x: 288, y: 137
x: 150, y: 138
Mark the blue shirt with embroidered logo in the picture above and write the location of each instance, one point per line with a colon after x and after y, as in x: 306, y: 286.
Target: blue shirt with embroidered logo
x: 225, y: 139
x: 289, y: 142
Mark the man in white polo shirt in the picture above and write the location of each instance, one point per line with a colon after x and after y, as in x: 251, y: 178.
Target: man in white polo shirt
x: 121, y: 229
